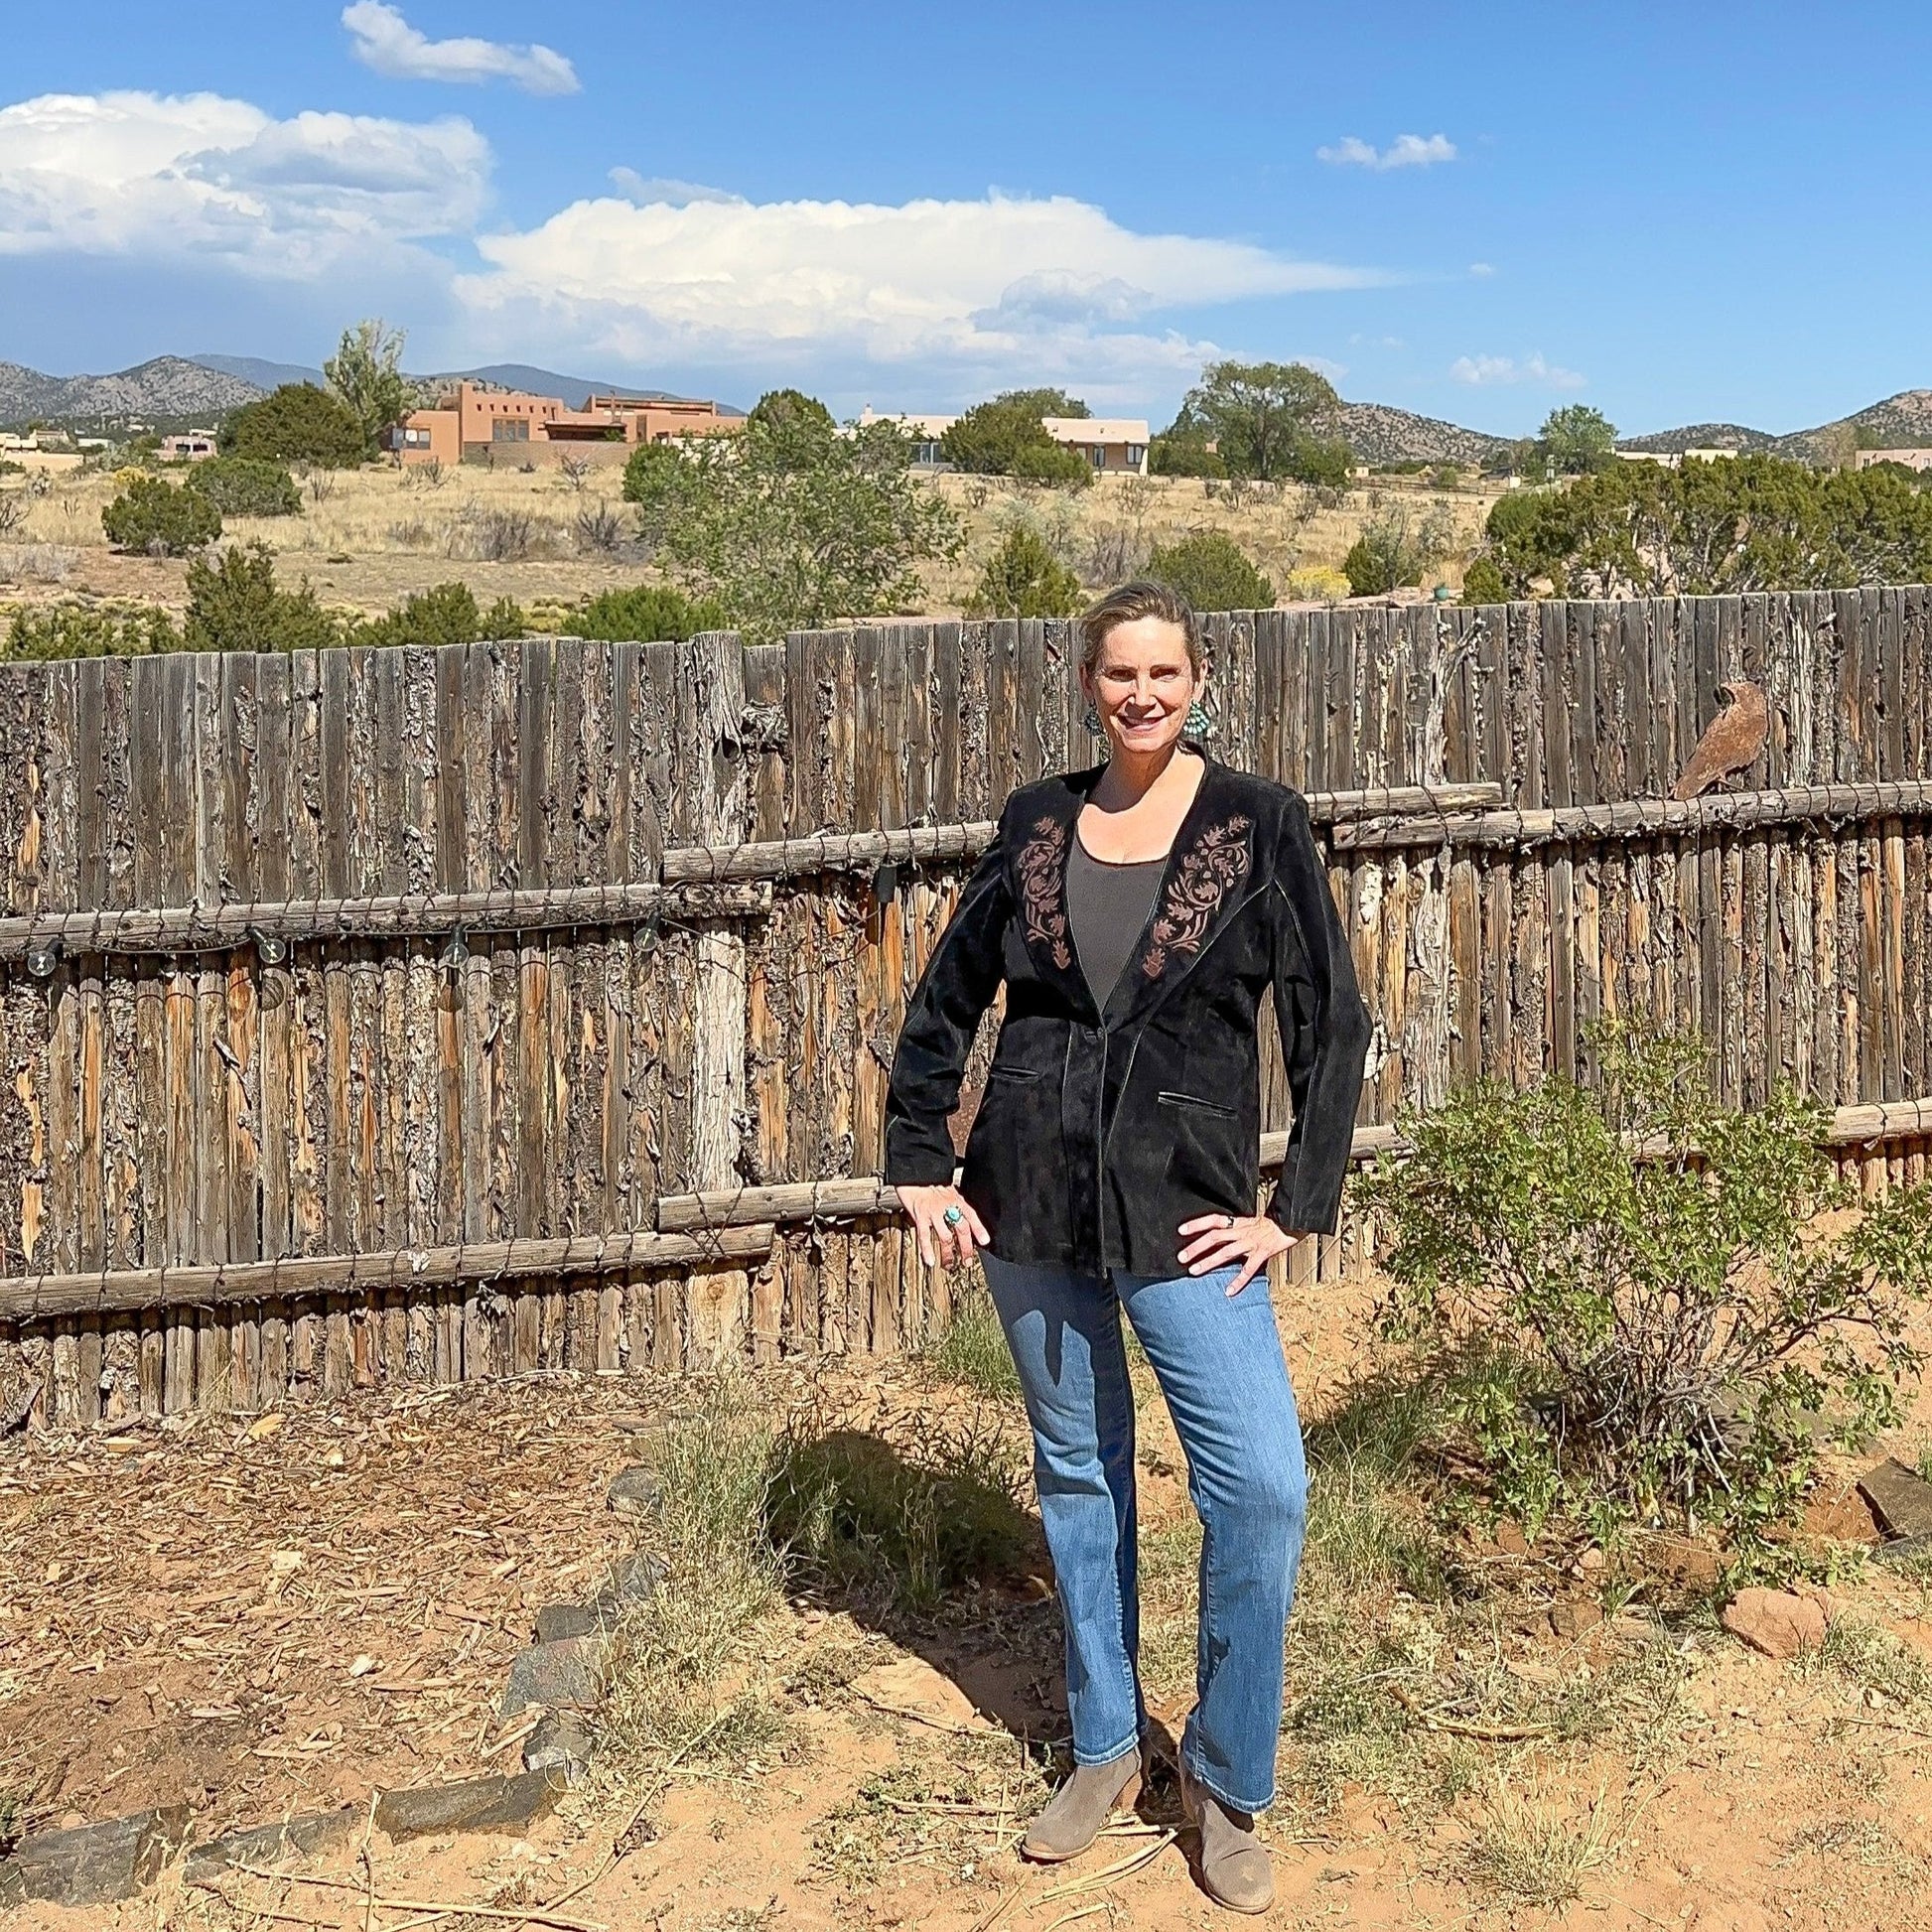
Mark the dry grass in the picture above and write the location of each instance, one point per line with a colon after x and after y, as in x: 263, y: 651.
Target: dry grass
x: 367, y: 538
x: 1536, y: 1851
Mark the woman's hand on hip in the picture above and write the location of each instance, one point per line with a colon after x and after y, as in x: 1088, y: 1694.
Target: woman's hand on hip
x: 1224, y: 1240
x: 943, y: 1239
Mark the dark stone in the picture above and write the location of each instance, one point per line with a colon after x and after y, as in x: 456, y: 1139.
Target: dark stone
x: 570, y: 1671
x: 305, y: 1836
x: 557, y: 1622
x: 635, y: 1492
x: 559, y: 1744
x: 633, y: 1579
x: 492, y: 1804
x: 93, y: 1865
x: 1901, y: 1497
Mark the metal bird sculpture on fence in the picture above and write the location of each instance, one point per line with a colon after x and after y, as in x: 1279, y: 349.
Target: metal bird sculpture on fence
x: 1730, y: 742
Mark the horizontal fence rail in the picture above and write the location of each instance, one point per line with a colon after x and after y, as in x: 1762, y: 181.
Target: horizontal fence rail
x: 378, y: 1014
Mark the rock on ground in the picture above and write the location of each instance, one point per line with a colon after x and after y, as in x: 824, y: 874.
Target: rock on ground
x: 1776, y: 1622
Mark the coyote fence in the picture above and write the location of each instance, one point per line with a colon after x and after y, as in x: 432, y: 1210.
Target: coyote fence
x: 441, y: 1014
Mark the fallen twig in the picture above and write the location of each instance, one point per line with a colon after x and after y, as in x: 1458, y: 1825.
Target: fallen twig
x: 1118, y: 1869
x: 436, y: 1909
x: 952, y: 1725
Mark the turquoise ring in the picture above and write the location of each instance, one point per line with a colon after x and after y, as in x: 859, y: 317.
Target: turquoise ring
x: 952, y: 1216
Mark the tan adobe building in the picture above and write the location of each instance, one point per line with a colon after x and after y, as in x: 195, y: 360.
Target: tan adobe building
x: 477, y: 422
x: 1113, y: 445
x: 1907, y: 459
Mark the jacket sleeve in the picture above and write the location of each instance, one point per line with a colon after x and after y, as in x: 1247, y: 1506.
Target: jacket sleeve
x: 1325, y: 1031
x: 958, y: 985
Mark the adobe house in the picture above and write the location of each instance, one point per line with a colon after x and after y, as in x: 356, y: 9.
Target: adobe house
x: 1116, y: 446
x: 476, y: 423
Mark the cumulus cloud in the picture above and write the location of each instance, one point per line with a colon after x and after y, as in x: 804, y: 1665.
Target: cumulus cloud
x: 1002, y: 283
x: 1404, y: 151
x: 1481, y: 270
x: 152, y: 175
x: 667, y: 188
x: 1485, y: 372
x: 386, y: 42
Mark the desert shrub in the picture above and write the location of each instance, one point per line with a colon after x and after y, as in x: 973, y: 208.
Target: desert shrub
x: 1024, y: 578
x: 247, y: 485
x: 671, y: 1654
x: 1482, y: 583
x: 1395, y: 549
x: 1636, y: 1310
x: 1212, y: 572
x: 1007, y: 437
x: 90, y: 631
x: 236, y: 604
x: 1316, y: 581
x: 598, y: 531
x: 504, y: 536
x: 850, y: 1511
x: 1322, y: 460
x: 1116, y: 554
x: 445, y: 613
x: 972, y: 1349
x: 645, y: 613
x: 13, y: 513
x: 1183, y: 451
x: 297, y: 422
x: 1050, y: 462
x: 160, y: 518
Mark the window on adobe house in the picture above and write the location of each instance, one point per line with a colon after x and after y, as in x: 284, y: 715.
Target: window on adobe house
x: 509, y: 429
x: 1099, y: 457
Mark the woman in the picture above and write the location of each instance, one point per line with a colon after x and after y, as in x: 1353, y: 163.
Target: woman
x: 1137, y: 913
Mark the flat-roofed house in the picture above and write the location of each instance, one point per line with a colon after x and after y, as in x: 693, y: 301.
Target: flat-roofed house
x: 477, y: 423
x: 1113, y: 445
x: 1906, y: 458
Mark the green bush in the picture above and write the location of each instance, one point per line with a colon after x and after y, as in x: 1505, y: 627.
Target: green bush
x: 1211, y: 571
x: 1393, y: 550
x: 1635, y: 1303
x: 1051, y: 462
x: 445, y: 614
x: 247, y: 485
x: 1007, y: 438
x: 236, y: 605
x: 1325, y: 461
x: 646, y: 612
x: 1024, y: 579
x: 1183, y: 451
x: 160, y: 519
x: 90, y: 631
x: 297, y: 422
x: 1482, y: 583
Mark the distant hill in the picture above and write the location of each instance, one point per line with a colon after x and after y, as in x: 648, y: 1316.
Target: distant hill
x: 169, y: 386
x: 1700, y: 435
x: 264, y: 376
x: 1378, y: 433
x: 1901, y: 422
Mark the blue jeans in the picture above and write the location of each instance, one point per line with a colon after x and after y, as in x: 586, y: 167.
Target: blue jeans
x: 1219, y: 1365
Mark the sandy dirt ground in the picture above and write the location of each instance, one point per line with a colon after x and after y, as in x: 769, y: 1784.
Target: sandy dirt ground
x: 272, y: 1617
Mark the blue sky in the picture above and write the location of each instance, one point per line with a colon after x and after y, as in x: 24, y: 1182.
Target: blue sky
x: 1676, y: 213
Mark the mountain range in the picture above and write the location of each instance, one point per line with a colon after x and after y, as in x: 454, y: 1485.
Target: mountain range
x: 204, y: 387
x: 200, y: 388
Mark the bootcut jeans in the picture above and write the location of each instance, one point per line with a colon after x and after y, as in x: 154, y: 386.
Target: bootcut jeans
x: 1221, y: 1367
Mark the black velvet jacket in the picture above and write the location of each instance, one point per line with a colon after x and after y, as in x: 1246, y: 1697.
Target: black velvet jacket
x: 1101, y: 1132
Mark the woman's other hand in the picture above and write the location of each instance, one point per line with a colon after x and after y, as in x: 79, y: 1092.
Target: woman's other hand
x: 940, y: 1241
x: 1221, y: 1240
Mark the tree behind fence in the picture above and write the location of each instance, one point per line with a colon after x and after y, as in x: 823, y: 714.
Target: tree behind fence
x: 430, y: 1102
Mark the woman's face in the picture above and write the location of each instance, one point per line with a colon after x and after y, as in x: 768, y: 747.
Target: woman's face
x: 1142, y: 684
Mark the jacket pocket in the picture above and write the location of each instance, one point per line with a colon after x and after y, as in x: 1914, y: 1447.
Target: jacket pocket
x: 998, y: 1072
x: 1168, y: 1099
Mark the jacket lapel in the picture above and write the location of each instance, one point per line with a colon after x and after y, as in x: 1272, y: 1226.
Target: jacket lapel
x: 1210, y: 876
x: 1040, y: 886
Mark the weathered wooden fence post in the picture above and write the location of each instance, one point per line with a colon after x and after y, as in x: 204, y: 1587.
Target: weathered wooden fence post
x: 710, y: 696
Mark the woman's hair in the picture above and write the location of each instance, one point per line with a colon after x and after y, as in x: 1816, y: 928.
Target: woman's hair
x: 1140, y: 599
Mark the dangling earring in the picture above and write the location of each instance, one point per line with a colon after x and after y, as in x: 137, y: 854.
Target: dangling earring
x: 1092, y: 718
x: 1199, y: 724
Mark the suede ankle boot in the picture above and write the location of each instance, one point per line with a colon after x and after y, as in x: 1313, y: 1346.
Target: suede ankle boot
x: 1235, y: 1870
x: 1081, y: 1809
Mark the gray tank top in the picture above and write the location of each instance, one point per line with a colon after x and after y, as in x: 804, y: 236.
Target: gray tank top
x: 1106, y: 907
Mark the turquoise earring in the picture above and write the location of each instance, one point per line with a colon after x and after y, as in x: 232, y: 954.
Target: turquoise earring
x: 1091, y: 721
x: 1199, y: 724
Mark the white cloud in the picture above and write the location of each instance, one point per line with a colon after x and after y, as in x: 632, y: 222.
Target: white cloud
x: 666, y: 189
x: 1485, y: 372
x: 1003, y: 284
x: 1404, y: 151
x: 386, y: 42
x: 156, y: 175
x: 1481, y: 270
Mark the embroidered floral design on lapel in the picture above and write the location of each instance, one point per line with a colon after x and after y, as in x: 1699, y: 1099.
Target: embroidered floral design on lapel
x: 1040, y: 890
x: 1217, y: 864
